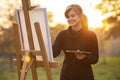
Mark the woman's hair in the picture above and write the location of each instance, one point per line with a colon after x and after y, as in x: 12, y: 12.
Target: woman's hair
x: 78, y: 10
x: 74, y: 7
x: 84, y: 21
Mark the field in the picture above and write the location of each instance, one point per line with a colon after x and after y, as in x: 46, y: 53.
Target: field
x: 105, y: 69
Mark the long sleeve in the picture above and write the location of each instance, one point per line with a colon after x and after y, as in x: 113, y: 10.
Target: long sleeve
x: 57, y: 46
x: 93, y: 48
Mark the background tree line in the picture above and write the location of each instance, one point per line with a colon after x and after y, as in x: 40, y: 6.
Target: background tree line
x: 111, y: 9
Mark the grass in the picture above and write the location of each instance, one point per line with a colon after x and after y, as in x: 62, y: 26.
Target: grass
x: 109, y: 70
x: 105, y: 69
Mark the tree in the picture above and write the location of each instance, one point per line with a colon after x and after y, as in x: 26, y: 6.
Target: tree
x: 111, y: 9
x: 7, y: 14
x: 54, y: 30
x: 7, y: 18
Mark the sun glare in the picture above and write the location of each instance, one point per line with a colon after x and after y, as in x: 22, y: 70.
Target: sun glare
x: 94, y: 16
x: 94, y: 19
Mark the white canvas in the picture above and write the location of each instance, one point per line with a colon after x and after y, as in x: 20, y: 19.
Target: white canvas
x: 36, y: 15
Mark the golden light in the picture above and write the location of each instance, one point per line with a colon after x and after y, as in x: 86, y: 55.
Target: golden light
x: 94, y: 19
x: 94, y: 16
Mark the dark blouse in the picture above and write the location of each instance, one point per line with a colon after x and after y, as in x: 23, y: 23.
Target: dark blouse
x: 73, y: 68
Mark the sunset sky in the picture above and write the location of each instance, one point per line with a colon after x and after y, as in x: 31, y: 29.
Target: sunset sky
x: 58, y: 7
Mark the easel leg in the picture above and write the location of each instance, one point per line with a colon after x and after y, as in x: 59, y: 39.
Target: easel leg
x: 23, y: 70
x: 43, y: 51
x: 26, y: 66
x: 17, y: 44
x: 33, y: 69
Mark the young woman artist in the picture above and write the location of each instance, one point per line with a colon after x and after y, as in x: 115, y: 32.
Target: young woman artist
x: 79, y: 44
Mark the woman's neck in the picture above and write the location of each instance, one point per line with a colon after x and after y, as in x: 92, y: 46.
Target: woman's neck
x: 76, y: 28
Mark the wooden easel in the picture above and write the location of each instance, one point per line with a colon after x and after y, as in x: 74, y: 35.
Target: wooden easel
x: 22, y: 64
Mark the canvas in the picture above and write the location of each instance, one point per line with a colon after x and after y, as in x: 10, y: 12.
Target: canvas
x: 36, y: 15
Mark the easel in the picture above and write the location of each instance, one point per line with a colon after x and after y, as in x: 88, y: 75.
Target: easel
x: 24, y: 65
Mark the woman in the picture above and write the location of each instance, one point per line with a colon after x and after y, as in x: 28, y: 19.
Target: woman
x: 79, y: 45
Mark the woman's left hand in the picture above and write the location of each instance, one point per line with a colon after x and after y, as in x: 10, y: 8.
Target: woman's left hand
x: 79, y: 55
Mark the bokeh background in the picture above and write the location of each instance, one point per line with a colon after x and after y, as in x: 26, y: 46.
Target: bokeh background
x: 104, y: 20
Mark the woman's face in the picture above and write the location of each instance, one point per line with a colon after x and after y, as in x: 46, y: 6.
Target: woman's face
x: 73, y: 19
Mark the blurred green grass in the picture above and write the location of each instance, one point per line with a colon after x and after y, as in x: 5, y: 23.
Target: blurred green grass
x: 108, y: 69
x: 105, y: 69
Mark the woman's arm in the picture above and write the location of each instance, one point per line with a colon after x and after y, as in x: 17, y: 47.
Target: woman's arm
x: 93, y: 48
x: 57, y: 46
